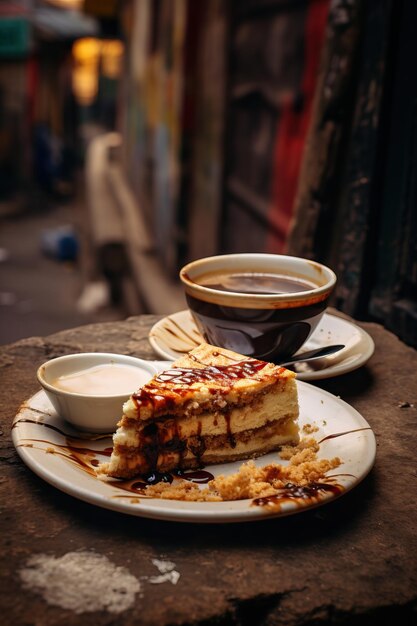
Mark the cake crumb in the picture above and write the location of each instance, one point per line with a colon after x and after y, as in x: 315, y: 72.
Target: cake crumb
x: 288, y: 453
x: 181, y: 490
x: 308, y: 429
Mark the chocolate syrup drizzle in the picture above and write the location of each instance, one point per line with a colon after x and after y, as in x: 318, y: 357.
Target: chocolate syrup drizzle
x: 138, y: 485
x: 304, y: 494
x: 346, y: 432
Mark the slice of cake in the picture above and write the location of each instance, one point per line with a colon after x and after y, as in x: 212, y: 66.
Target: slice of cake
x: 211, y: 406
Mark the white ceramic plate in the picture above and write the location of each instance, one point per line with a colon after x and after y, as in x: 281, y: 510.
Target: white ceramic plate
x: 177, y: 334
x: 66, y: 459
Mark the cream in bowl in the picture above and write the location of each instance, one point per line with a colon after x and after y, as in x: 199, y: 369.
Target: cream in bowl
x: 88, y: 390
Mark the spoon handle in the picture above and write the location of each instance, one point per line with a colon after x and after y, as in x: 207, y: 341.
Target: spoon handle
x: 309, y: 355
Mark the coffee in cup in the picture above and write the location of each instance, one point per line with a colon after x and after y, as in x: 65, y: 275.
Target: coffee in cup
x: 261, y: 305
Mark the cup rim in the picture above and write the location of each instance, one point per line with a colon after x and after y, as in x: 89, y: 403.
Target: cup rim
x: 120, y: 358
x: 256, y: 301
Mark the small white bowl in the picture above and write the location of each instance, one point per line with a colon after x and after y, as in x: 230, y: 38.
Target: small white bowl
x: 92, y: 413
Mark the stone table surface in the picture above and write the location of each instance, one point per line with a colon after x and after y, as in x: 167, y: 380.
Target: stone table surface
x: 352, y: 561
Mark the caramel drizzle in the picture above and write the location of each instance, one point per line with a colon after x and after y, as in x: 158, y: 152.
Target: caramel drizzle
x: 210, y: 373
x: 160, y: 393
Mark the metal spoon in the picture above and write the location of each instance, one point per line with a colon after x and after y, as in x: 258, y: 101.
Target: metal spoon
x: 309, y: 355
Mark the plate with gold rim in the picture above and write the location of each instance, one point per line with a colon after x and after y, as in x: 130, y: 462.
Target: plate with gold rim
x: 68, y: 460
x: 176, y: 334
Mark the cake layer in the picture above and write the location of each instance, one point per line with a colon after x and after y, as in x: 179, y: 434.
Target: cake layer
x: 279, y: 403
x: 127, y: 462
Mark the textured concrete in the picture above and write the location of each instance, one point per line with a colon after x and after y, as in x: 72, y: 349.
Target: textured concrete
x: 351, y: 562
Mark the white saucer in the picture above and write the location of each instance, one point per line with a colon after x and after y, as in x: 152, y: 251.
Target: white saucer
x: 177, y: 334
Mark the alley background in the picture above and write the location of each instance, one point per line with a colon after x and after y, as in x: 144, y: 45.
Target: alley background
x: 157, y: 132
x: 40, y: 292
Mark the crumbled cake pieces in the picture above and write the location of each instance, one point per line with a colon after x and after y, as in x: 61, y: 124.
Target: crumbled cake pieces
x: 251, y: 481
x: 211, y: 406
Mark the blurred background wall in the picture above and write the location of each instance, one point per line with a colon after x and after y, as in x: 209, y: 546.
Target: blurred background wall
x: 180, y: 129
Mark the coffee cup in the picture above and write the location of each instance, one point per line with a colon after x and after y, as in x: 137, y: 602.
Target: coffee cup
x: 261, y: 305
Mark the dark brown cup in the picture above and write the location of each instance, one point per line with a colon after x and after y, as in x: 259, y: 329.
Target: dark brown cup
x: 268, y: 326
